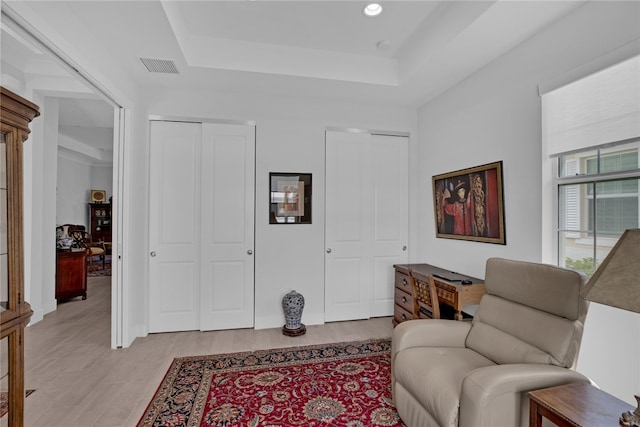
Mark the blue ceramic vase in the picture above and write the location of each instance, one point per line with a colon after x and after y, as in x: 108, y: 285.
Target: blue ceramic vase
x: 292, y: 305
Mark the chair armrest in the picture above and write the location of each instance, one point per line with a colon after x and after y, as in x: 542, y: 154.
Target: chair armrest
x: 428, y: 333
x: 495, y: 395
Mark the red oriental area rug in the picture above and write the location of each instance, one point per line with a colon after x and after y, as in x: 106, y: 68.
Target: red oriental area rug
x: 345, y: 384
x: 4, y: 401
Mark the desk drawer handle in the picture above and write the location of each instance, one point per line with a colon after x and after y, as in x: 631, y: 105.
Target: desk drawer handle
x: 404, y: 317
x: 404, y: 299
x: 404, y: 282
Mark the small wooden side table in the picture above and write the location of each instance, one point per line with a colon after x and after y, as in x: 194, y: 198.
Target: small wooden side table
x: 576, y: 405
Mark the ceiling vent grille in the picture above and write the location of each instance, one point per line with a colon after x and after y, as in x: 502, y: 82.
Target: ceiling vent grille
x: 159, y: 65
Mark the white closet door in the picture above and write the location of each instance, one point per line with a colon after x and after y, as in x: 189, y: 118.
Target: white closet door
x: 201, y: 226
x: 348, y: 224
x: 174, y: 219
x: 366, y: 223
x: 227, y: 231
x: 391, y: 217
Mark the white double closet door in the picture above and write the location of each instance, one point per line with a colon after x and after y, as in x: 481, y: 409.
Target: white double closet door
x: 201, y: 226
x: 366, y: 222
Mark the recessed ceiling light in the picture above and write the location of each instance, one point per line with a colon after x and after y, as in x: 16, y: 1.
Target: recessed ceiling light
x: 373, y: 9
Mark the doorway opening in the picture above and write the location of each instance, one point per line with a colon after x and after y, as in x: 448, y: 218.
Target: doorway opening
x: 80, y: 150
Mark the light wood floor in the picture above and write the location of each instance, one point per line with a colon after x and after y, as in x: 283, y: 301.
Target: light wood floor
x: 80, y: 381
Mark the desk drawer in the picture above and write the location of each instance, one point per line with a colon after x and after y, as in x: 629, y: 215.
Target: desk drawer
x: 400, y: 314
x: 404, y: 300
x: 402, y: 282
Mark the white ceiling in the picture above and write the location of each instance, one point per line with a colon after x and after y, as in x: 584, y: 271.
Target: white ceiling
x: 322, y: 49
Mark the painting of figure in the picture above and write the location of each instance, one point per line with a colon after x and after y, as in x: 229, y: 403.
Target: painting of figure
x: 468, y: 204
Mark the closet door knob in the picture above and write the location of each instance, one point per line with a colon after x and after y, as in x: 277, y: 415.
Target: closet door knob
x: 328, y: 250
x: 153, y: 253
x: 249, y: 252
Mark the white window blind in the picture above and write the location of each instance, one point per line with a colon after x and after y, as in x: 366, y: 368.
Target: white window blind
x: 597, y: 110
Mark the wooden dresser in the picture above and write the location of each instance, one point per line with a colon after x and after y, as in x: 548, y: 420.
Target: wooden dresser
x: 451, y: 293
x: 71, y: 274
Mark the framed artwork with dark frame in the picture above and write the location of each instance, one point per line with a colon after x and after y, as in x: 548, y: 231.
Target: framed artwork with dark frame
x: 469, y: 204
x: 290, y: 198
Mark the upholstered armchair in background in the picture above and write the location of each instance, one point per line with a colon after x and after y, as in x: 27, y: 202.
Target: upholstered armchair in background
x: 96, y: 249
x: 525, y: 335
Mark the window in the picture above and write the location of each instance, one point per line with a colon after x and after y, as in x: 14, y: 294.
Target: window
x: 595, y: 207
x: 592, y: 131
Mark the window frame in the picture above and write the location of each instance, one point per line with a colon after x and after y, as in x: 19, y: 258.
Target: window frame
x: 593, y: 179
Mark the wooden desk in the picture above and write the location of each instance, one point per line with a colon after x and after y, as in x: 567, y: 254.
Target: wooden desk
x: 453, y: 294
x: 577, y: 405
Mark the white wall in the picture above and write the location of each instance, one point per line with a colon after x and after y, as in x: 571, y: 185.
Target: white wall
x: 74, y: 185
x: 102, y: 179
x: 39, y: 203
x: 39, y: 265
x: 610, y: 353
x: 495, y: 115
x: 289, y: 137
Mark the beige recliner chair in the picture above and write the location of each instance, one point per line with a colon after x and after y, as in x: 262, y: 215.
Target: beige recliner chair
x: 525, y: 335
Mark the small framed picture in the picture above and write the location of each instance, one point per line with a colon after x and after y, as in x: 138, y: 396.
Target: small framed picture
x: 290, y: 198
x: 98, y: 196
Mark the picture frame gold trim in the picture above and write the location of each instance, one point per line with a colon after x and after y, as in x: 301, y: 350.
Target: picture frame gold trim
x: 469, y: 204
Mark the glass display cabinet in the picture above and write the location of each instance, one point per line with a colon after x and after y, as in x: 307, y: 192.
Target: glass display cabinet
x: 15, y: 115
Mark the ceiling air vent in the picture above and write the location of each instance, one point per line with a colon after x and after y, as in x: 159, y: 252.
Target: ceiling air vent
x: 159, y: 65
